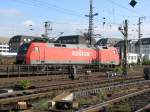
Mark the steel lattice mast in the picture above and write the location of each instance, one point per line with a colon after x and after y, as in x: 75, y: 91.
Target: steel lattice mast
x: 91, y: 16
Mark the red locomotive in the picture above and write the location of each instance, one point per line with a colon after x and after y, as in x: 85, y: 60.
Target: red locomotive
x: 52, y: 53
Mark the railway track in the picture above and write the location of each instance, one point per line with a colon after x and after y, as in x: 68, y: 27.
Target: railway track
x: 8, y: 82
x: 102, y: 106
x: 145, y: 108
x: 138, y: 99
x: 8, y: 71
x: 48, y: 90
x: 12, y: 74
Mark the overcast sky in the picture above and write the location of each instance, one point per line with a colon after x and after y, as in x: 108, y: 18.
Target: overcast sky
x: 68, y: 16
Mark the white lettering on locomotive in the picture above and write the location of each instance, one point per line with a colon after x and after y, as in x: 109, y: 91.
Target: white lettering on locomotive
x: 80, y: 53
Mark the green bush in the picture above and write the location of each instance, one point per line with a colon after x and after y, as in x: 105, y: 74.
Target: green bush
x: 125, y: 107
x: 84, y: 101
x: 102, y: 96
x: 1, y: 59
x: 146, y: 62
x: 118, y: 69
x: 25, y: 84
x: 41, y: 105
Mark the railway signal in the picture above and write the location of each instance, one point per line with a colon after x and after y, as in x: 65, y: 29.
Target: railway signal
x: 133, y: 3
x: 124, y: 31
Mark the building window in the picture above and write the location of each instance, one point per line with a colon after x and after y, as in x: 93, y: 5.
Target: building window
x: 135, y: 57
x: 64, y: 41
x: 129, y: 57
x: 132, y: 57
x: 69, y: 41
x: 74, y: 40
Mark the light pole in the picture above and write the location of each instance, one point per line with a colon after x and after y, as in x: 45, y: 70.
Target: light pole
x: 124, y: 31
x: 139, y: 37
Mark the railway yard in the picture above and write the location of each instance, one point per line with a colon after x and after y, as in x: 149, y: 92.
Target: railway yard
x: 93, y: 92
x: 71, y: 68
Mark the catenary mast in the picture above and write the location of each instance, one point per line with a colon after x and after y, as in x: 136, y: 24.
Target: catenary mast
x: 91, y: 17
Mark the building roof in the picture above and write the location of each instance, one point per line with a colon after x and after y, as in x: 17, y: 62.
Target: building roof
x: 69, y: 36
x: 144, y: 41
x: 108, y: 41
x: 74, y: 39
x: 28, y: 36
x: 120, y: 43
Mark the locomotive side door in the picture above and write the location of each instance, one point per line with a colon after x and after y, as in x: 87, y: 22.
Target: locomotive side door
x: 39, y: 55
x: 36, y: 53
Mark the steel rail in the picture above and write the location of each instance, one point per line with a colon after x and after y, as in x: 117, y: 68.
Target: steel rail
x: 100, y: 106
x: 144, y: 108
x: 29, y: 94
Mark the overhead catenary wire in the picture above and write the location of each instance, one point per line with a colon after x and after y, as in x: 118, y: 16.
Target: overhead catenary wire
x: 62, y: 8
x: 123, y: 7
x: 55, y: 8
x: 43, y: 4
x: 47, y: 5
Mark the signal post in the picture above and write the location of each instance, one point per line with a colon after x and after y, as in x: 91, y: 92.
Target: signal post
x: 124, y: 30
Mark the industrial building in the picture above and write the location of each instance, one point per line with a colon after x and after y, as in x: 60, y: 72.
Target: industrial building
x: 4, y: 48
x: 74, y: 39
x: 133, y: 47
x: 144, y: 48
x: 108, y: 41
x: 4, y: 51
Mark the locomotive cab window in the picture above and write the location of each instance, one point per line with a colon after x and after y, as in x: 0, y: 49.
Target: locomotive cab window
x: 36, y: 49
